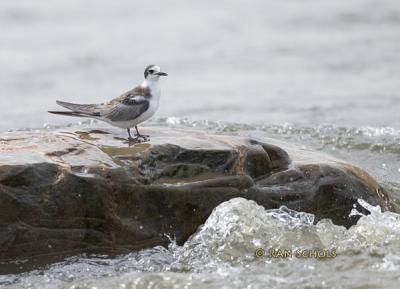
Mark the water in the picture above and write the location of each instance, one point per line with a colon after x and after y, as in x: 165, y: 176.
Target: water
x: 303, y: 62
x: 221, y: 255
x: 319, y: 74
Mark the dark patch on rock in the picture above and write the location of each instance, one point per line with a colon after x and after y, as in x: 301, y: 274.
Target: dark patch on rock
x: 34, y: 175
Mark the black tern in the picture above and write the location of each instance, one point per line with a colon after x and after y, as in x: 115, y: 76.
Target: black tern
x: 127, y: 110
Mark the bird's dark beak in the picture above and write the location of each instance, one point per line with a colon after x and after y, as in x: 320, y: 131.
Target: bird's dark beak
x: 161, y: 73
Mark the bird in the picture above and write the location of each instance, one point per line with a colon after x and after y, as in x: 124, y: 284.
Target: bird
x: 127, y: 110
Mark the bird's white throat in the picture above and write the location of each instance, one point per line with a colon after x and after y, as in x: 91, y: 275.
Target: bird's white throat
x: 154, y: 87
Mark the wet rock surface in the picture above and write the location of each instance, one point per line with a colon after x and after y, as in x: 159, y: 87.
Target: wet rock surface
x: 79, y: 191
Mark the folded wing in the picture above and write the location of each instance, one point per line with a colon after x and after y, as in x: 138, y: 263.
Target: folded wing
x: 127, y: 109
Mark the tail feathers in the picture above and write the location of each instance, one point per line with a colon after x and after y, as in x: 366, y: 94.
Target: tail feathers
x: 71, y: 106
x: 70, y: 113
x: 86, y: 109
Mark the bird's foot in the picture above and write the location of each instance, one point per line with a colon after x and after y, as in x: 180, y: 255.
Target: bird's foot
x: 139, y: 139
x: 142, y: 135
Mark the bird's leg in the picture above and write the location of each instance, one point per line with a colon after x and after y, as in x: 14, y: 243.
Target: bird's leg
x: 140, y: 135
x: 136, y: 139
x: 129, y: 133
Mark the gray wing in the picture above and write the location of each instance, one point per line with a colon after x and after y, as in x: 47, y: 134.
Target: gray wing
x: 127, y: 109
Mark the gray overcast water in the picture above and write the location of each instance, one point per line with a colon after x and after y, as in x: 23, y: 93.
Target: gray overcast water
x: 306, y: 62
x: 320, y: 74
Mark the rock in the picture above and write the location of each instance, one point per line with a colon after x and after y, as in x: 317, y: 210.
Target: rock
x: 66, y: 192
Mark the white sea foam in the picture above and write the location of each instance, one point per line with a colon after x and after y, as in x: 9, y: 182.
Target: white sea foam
x: 225, y: 245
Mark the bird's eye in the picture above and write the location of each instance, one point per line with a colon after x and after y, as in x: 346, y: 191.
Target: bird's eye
x: 151, y: 71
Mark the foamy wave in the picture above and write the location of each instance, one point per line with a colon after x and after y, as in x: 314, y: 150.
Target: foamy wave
x: 236, y: 228
x: 224, y: 247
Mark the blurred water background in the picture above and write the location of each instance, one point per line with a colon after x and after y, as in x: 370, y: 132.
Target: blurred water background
x: 321, y: 74
x: 306, y: 62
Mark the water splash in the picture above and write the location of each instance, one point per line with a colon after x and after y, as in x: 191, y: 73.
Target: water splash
x: 238, y: 227
x: 224, y: 246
